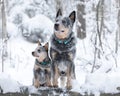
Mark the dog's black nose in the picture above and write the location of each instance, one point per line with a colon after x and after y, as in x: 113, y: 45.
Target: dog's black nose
x: 62, y: 73
x: 42, y: 85
x: 56, y: 26
x: 32, y: 53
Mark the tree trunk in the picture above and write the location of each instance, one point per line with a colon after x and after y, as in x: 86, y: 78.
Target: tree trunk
x: 119, y: 24
x: 118, y: 30
x: 100, y: 23
x: 58, y: 4
x: 81, y: 26
x: 4, y: 35
x: 0, y: 19
x: 65, y: 5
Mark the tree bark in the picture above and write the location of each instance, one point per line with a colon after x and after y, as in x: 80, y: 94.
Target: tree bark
x: 58, y: 4
x: 100, y: 23
x: 117, y: 38
x: 0, y: 19
x: 81, y: 25
x: 4, y: 35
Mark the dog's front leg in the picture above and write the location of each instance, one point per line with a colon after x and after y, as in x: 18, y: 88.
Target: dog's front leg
x: 36, y: 83
x: 71, y: 58
x: 49, y: 79
x: 55, y: 77
x: 69, y: 85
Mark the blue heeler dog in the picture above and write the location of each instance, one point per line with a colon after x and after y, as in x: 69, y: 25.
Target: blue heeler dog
x: 63, y: 49
x: 42, y: 67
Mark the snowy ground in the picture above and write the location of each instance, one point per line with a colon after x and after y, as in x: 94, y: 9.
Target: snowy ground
x: 18, y: 69
x: 19, y: 66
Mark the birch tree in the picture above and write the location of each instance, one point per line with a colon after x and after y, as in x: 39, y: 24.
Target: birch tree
x: 4, y: 34
x: 0, y: 19
x: 65, y: 5
x: 118, y: 30
x: 81, y: 26
x: 100, y: 26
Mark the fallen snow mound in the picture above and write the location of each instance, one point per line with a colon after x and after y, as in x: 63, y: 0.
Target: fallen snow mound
x: 8, y: 85
x: 38, y: 27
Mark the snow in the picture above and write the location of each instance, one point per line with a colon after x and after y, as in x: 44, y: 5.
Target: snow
x: 12, y: 30
x: 101, y: 82
x: 8, y: 84
x: 39, y: 22
x: 37, y: 27
x: 18, y: 68
x: 21, y: 52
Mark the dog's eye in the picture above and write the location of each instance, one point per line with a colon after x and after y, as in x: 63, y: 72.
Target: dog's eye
x: 39, y: 50
x: 56, y: 20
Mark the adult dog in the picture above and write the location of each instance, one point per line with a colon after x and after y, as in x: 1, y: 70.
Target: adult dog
x: 63, y: 49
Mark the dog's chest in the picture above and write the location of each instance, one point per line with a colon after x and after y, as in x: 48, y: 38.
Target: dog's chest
x: 63, y: 51
x: 63, y: 47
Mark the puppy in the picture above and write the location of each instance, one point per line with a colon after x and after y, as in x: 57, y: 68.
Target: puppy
x: 42, y: 67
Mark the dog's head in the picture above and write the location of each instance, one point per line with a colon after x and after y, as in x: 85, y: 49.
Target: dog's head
x: 41, y: 52
x: 63, y: 25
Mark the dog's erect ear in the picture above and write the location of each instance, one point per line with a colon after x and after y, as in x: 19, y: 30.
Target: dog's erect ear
x: 39, y: 43
x: 59, y: 13
x: 46, y: 46
x: 72, y: 16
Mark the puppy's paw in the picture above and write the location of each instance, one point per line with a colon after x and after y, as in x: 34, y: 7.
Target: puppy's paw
x: 55, y: 86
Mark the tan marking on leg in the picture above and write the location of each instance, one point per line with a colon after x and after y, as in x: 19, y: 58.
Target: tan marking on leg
x: 48, y: 78
x: 69, y: 85
x: 55, y: 79
x: 36, y: 67
x: 36, y: 83
x: 48, y: 81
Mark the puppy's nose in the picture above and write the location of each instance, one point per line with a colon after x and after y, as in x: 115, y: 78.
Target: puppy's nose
x: 32, y: 53
x: 56, y: 26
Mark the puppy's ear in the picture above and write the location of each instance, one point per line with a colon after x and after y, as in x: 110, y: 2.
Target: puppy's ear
x: 46, y: 46
x: 59, y: 13
x: 39, y: 43
x: 72, y: 16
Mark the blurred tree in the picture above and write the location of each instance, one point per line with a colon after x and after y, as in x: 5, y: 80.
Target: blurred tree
x: 81, y: 26
x: 4, y: 34
x: 118, y: 23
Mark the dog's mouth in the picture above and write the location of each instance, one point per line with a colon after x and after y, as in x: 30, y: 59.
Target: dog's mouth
x: 62, y: 31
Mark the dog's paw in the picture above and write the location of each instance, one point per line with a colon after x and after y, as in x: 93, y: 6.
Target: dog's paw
x: 55, y: 86
x: 36, y: 86
x: 69, y: 87
x: 49, y: 85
